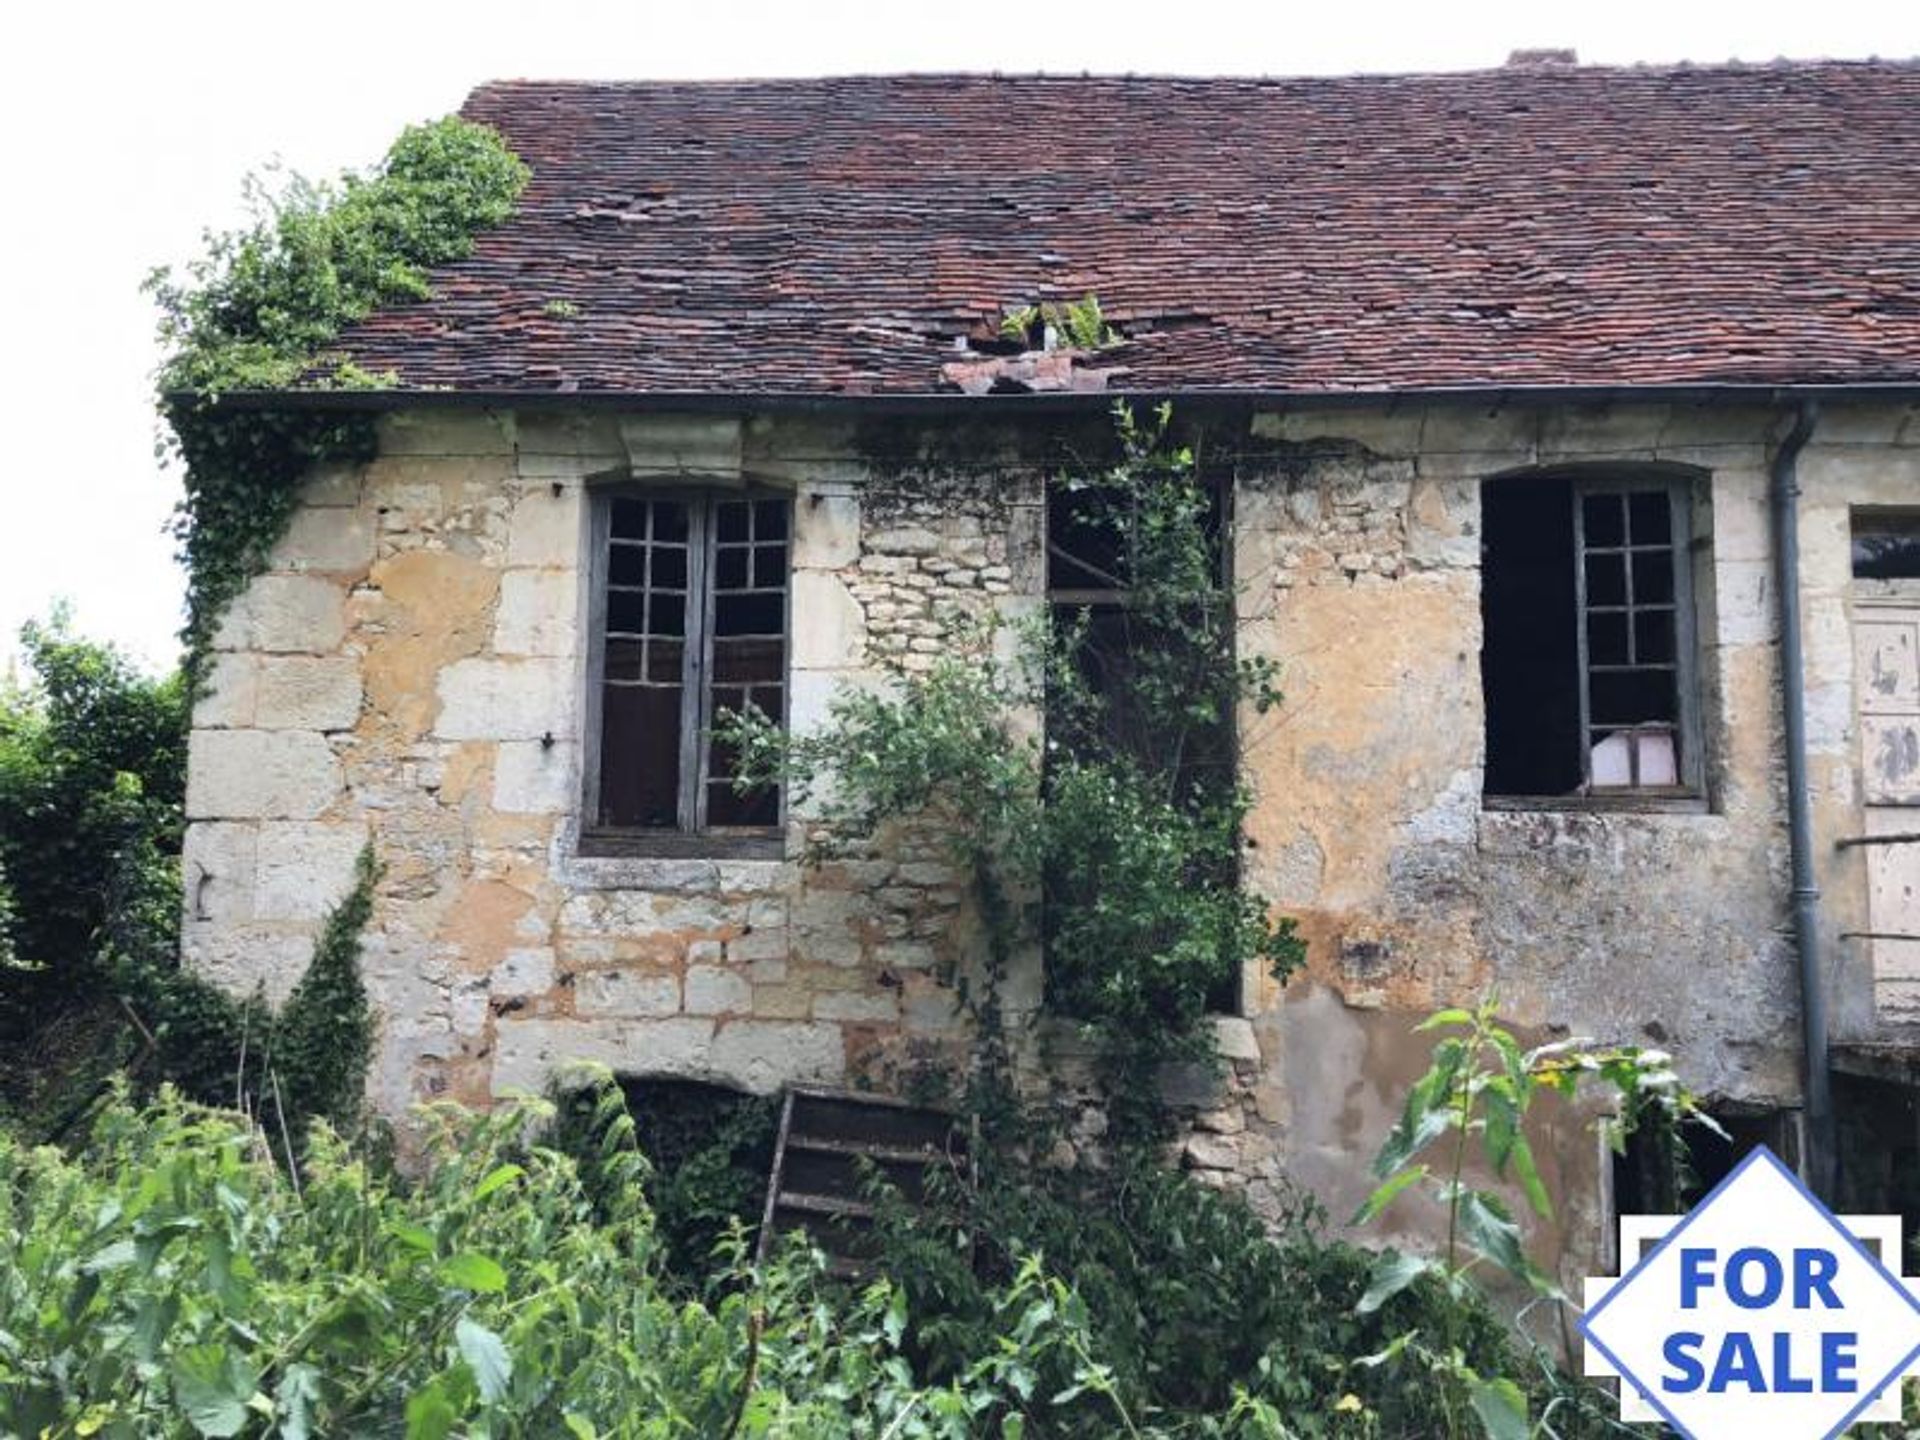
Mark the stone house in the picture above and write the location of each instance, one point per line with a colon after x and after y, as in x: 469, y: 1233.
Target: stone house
x: 1546, y: 402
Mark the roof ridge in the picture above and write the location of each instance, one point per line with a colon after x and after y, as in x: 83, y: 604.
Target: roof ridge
x: 1510, y: 69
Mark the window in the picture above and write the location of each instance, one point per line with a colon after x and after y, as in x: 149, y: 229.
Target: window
x: 1886, y: 545
x: 1587, y: 664
x: 690, y: 619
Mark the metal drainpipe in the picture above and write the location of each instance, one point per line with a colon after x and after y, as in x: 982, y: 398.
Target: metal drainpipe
x: 1817, y: 1095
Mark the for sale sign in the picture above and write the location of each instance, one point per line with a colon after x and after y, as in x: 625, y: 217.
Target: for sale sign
x: 1760, y: 1315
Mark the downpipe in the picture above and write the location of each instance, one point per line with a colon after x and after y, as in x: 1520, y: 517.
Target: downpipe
x: 1816, y: 1086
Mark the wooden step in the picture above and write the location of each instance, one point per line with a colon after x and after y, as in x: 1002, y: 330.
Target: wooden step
x: 817, y: 1182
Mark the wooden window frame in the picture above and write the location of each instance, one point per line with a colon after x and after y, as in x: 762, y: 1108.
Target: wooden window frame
x: 1689, y: 796
x: 692, y: 836
x: 1687, y: 729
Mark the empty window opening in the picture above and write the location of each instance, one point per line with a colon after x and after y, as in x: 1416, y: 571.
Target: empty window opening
x: 1886, y: 545
x: 1090, y: 585
x: 692, y: 623
x: 1650, y: 1179
x: 1587, y: 666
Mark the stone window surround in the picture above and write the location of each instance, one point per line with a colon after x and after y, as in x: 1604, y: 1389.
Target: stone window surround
x: 621, y: 843
x: 1691, y: 488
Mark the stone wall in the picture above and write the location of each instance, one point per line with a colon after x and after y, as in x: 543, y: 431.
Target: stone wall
x: 1357, y: 544
x: 411, y: 672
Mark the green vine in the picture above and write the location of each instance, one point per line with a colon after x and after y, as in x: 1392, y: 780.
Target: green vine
x: 258, y: 312
x: 1117, y: 842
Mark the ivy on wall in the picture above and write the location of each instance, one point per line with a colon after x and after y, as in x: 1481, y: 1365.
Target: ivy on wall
x: 258, y: 311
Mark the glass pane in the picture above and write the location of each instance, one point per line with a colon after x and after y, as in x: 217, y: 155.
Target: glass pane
x: 670, y: 520
x: 1653, y: 577
x: 1886, y: 547
x: 770, y: 520
x: 668, y: 614
x: 1607, y: 639
x: 1606, y: 580
x: 770, y: 566
x: 624, y: 659
x: 626, y: 611
x: 746, y: 662
x: 1604, y: 517
x: 626, y: 565
x: 730, y: 569
x: 1653, y: 637
x: 640, y: 755
x: 670, y: 566
x: 664, y: 661
x: 1630, y: 697
x: 1650, y: 513
x: 629, y: 520
x: 748, y: 614
x: 735, y: 519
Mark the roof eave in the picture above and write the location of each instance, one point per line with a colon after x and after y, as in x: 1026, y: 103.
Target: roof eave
x: 1075, y: 402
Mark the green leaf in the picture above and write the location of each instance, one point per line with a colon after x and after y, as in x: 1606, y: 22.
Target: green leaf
x: 1501, y: 1408
x: 1383, y: 1197
x: 1503, y: 1127
x: 1529, y: 1177
x: 1413, y: 1134
x: 1451, y: 1016
x: 1491, y: 1231
x: 212, y: 1386
x: 579, y: 1426
x: 1013, y: 1427
x: 502, y: 1175
x: 1392, y: 1273
x: 294, y: 1400
x: 430, y: 1414
x: 474, y: 1272
x: 486, y: 1354
x: 117, y: 1256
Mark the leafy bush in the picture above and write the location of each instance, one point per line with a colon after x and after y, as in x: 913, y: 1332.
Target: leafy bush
x: 170, y: 1281
x: 1117, y: 841
x: 1189, y: 1299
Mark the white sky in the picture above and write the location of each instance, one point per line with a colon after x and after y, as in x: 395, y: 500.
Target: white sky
x: 125, y: 130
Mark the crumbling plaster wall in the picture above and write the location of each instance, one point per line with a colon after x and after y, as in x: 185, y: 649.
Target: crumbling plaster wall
x: 397, y: 674
x: 410, y: 671
x: 1358, y: 549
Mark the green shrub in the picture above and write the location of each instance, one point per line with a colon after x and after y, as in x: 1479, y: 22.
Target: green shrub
x: 1189, y: 1299
x: 169, y: 1280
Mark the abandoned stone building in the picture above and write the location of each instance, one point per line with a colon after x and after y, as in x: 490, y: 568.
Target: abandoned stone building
x: 1568, y: 420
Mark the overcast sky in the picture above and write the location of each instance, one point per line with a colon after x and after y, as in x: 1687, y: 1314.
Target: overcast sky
x: 127, y: 129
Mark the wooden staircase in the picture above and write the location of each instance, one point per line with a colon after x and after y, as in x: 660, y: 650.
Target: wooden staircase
x: 817, y: 1185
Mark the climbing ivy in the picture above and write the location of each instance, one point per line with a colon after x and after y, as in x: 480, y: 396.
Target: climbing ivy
x: 1117, y: 841
x: 258, y: 311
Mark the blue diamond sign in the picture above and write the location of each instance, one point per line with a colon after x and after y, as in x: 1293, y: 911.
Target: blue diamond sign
x: 1760, y: 1313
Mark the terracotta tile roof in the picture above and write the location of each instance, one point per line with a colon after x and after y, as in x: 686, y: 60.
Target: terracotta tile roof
x: 1542, y: 225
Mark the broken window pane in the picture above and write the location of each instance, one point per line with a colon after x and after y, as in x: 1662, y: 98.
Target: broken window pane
x: 658, y: 768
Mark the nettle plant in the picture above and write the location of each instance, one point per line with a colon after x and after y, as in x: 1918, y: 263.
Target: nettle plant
x: 1111, y: 834
x: 1474, y: 1099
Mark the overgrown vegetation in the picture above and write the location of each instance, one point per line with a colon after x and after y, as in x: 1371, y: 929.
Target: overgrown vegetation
x: 1081, y: 324
x: 257, y: 313
x: 1117, y: 845
x: 1476, y: 1095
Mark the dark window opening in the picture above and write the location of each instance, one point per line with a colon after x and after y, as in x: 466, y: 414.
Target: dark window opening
x: 1646, y: 1181
x: 693, y: 623
x: 1089, y: 580
x: 1586, y: 666
x: 1886, y: 546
